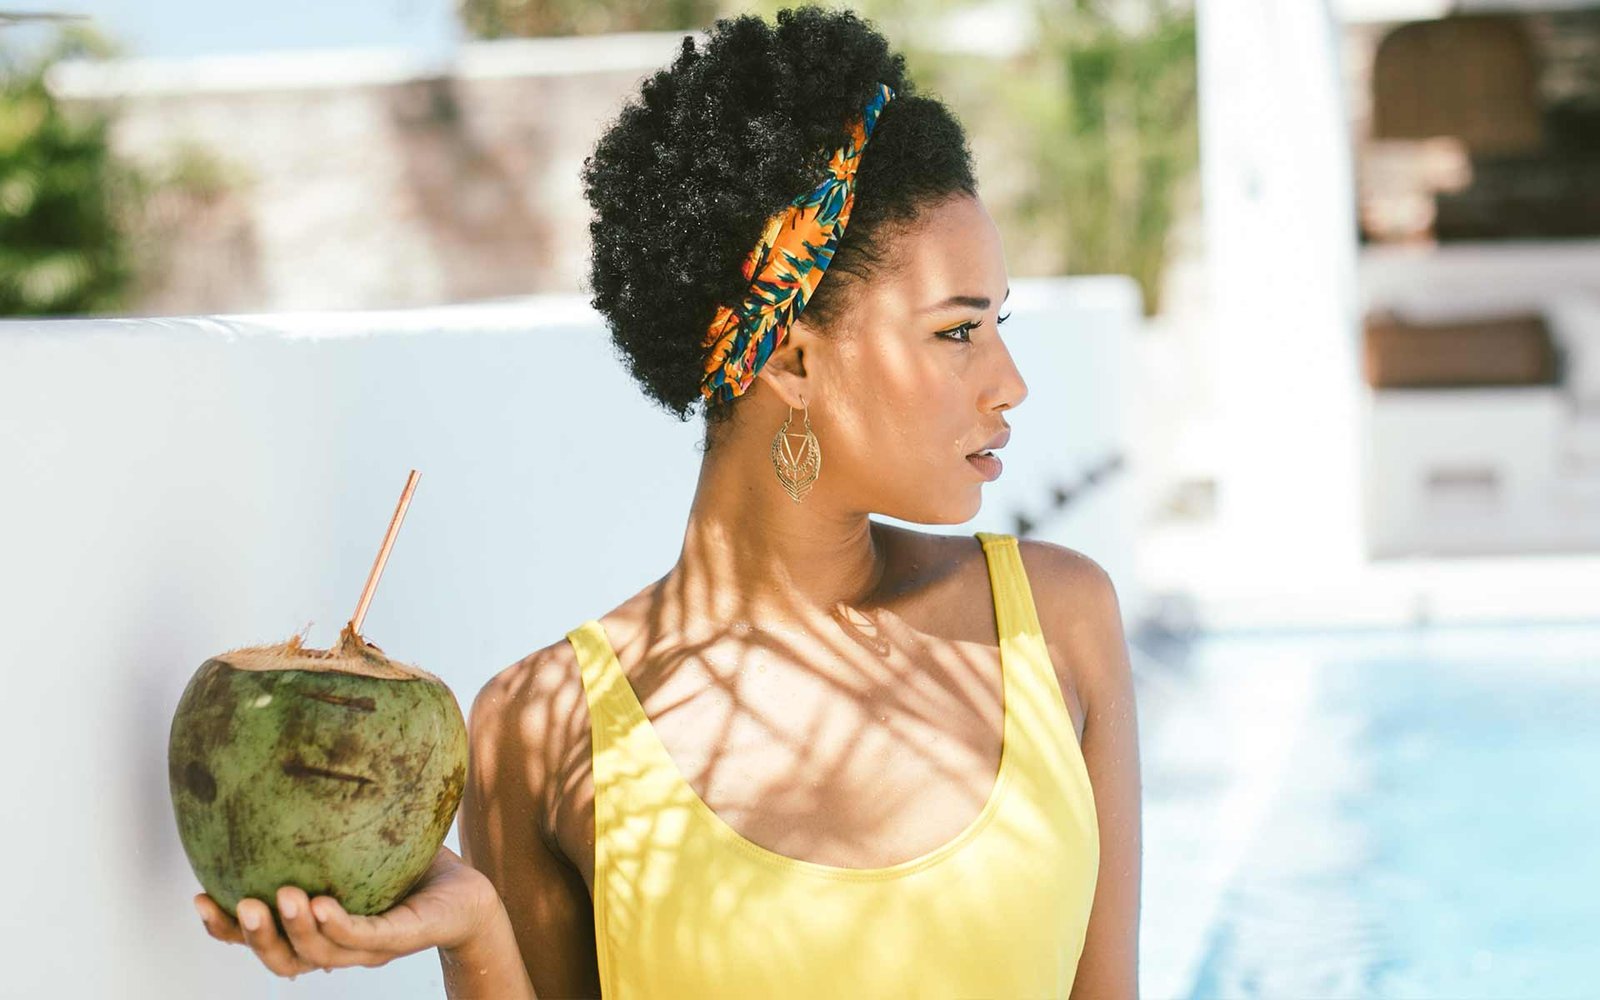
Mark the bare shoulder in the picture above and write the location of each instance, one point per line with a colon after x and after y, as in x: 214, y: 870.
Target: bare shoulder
x: 520, y: 723
x: 1080, y: 615
x: 1064, y: 572
x: 524, y: 683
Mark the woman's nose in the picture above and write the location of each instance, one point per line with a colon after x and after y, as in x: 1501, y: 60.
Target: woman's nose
x: 1010, y: 388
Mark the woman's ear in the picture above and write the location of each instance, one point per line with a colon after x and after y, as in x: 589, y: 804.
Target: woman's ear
x: 790, y: 368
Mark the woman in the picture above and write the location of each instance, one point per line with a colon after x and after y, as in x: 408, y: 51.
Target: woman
x: 821, y: 755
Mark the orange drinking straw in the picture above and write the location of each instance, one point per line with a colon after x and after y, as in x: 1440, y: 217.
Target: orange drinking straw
x: 383, y: 553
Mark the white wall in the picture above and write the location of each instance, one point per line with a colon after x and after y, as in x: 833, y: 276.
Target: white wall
x: 173, y: 487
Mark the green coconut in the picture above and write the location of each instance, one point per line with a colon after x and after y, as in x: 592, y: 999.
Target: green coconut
x: 337, y: 771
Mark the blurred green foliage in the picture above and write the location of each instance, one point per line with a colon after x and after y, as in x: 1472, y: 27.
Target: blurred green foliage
x: 63, y: 247
x: 1111, y: 121
x: 1094, y: 116
x: 82, y: 231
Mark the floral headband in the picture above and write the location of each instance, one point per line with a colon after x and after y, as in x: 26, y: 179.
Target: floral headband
x: 785, y: 266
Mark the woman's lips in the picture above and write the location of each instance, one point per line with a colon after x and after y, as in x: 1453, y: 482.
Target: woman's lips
x: 988, y: 465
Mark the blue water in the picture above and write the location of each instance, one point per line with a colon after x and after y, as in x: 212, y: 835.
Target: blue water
x: 1438, y: 834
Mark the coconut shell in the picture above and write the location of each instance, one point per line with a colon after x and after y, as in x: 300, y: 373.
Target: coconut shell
x: 338, y: 771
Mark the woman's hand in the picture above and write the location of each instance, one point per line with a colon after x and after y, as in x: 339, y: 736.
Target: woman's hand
x: 451, y: 903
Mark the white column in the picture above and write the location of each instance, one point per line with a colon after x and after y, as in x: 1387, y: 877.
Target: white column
x: 1281, y: 245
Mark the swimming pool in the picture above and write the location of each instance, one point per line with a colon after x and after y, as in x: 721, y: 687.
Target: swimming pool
x: 1398, y: 815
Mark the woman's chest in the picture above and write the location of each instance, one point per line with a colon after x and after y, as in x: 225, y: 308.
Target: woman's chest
x: 881, y: 757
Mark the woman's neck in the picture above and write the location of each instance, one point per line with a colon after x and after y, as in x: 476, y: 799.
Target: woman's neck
x: 751, y: 555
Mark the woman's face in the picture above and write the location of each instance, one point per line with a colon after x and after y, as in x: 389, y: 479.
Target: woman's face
x: 916, y: 378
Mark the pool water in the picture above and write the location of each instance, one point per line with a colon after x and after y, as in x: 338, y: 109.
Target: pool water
x: 1433, y: 823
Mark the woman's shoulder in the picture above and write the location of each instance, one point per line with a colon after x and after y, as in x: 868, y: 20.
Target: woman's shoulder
x: 1064, y: 571
x: 526, y: 719
x: 531, y: 679
x: 1079, y: 614
x: 547, y: 684
x: 555, y: 668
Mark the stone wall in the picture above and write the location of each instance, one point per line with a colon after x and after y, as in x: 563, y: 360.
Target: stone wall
x: 359, y: 180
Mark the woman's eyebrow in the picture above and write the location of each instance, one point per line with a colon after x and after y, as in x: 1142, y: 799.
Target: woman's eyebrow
x: 974, y: 301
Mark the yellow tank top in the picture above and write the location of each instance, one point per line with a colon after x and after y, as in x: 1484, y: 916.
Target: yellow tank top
x: 685, y: 908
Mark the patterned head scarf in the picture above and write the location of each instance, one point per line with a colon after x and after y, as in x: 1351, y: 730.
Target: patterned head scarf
x: 785, y: 266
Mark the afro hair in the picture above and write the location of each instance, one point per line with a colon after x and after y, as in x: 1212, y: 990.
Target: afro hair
x: 682, y: 182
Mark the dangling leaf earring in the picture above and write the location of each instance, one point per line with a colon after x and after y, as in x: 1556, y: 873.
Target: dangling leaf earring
x: 797, y: 469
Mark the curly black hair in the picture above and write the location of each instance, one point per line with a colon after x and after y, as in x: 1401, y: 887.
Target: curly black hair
x: 684, y: 179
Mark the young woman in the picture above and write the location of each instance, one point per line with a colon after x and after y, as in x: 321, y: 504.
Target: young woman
x: 821, y: 756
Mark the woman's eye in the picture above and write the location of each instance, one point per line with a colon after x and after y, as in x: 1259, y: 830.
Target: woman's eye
x: 961, y: 334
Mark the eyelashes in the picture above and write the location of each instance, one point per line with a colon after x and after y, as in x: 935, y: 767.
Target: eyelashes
x: 966, y: 330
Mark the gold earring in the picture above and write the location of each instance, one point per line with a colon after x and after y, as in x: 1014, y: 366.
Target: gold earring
x: 797, y: 470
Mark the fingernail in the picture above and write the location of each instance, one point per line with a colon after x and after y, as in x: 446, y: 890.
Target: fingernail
x: 287, y: 908
x: 250, y: 918
x: 200, y: 910
x: 320, y: 912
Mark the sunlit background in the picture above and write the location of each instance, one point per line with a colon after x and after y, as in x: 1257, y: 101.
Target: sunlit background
x: 1307, y: 298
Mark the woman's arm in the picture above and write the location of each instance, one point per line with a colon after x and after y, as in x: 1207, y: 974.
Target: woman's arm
x: 488, y: 966
x: 517, y: 731
x: 1079, y: 609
